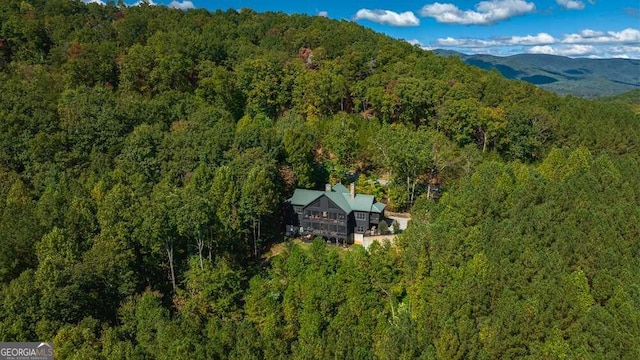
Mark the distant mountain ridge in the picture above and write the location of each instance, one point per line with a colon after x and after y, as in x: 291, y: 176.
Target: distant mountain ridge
x: 588, y: 78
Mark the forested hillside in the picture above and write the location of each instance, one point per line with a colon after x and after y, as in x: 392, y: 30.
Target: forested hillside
x: 147, y: 151
x: 631, y: 98
x: 583, y: 77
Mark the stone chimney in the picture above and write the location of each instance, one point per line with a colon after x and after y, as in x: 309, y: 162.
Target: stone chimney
x: 327, y: 187
x: 352, y: 190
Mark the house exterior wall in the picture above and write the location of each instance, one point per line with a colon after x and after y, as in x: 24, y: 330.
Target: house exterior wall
x: 374, y: 218
x: 324, y: 218
x: 361, y: 219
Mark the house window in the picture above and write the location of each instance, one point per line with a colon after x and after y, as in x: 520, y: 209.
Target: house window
x: 361, y: 216
x: 324, y: 214
x: 340, y: 216
x: 360, y: 229
x: 315, y: 214
x: 332, y: 216
x: 298, y: 209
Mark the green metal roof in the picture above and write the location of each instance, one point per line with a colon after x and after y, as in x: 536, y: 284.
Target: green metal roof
x: 361, y: 202
x: 339, y: 188
x: 304, y: 197
x: 378, y: 207
x: 341, y: 196
x: 339, y: 200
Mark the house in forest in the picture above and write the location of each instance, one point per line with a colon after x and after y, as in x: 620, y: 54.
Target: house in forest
x: 336, y: 214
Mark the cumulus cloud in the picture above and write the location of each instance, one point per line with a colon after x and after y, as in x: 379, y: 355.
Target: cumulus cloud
x: 584, y: 43
x: 588, y: 36
x: 99, y: 2
x: 323, y: 13
x: 140, y: 2
x: 625, y: 51
x: 466, y: 42
x: 388, y: 17
x: 184, y: 5
x: 571, y: 4
x: 564, y: 50
x: 539, y: 39
x: 418, y: 43
x: 485, y: 13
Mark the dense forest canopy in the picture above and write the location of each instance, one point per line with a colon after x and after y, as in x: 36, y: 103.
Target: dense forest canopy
x: 147, y: 151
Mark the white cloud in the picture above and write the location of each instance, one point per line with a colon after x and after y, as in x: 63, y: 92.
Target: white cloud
x: 539, y: 39
x: 585, y: 43
x: 388, y: 17
x: 624, y: 52
x: 589, y: 36
x: 140, y: 2
x: 571, y: 4
x: 99, y: 2
x: 590, y: 33
x: 564, y: 50
x: 416, y: 42
x: 466, y: 42
x: 486, y: 12
x: 184, y: 5
x: 323, y: 13
x: 542, y: 49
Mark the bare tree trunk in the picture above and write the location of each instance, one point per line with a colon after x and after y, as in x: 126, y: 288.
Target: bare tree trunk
x: 484, y: 144
x: 200, y: 241
x: 173, y: 274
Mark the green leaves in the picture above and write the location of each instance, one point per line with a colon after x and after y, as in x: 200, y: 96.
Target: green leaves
x: 512, y: 247
x: 147, y: 152
x: 213, y: 290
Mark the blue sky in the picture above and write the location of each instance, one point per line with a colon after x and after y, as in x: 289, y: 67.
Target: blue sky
x: 575, y: 28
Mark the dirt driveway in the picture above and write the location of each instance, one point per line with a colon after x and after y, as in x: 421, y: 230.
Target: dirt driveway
x: 401, y: 218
